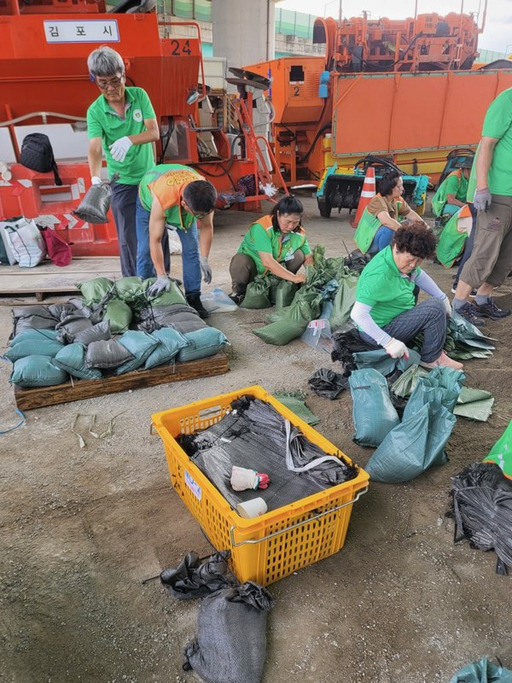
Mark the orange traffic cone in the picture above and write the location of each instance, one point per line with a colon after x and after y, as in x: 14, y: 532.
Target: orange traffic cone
x: 367, y: 193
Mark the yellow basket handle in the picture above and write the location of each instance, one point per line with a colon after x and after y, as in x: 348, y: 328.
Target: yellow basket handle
x: 295, y: 526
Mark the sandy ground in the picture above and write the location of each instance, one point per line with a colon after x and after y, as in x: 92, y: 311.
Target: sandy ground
x: 82, y: 528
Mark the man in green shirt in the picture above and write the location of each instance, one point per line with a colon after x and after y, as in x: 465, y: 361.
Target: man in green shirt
x: 451, y: 195
x: 491, y: 259
x: 122, y: 124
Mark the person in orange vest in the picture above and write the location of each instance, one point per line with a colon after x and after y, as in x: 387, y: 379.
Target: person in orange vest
x: 275, y: 243
x: 384, y: 215
x: 177, y: 196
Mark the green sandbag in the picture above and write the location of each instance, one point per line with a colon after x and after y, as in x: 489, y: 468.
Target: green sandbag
x: 201, y: 344
x: 129, y: 289
x: 71, y: 358
x: 501, y: 452
x: 171, y: 342
x: 483, y: 672
x: 281, y: 332
x: 173, y: 296
x: 272, y: 289
x: 373, y: 413
x: 285, y: 293
x: 141, y: 345
x: 343, y: 301
x: 119, y: 316
x: 257, y: 293
x: 413, y: 446
x: 37, y: 371
x: 33, y: 335
x: 30, y: 347
x: 95, y: 291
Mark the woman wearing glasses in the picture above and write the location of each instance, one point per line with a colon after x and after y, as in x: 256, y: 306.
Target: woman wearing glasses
x: 122, y: 124
x: 385, y: 310
x: 275, y: 243
x: 176, y: 196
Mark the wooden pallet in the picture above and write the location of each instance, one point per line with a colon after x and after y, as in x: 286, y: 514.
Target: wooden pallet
x: 39, y: 397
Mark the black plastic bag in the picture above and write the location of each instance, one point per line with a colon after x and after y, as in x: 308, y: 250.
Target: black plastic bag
x: 197, y: 577
x: 328, y: 383
x: 95, y: 205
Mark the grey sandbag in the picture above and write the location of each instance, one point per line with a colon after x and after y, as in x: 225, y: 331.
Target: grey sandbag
x: 71, y: 358
x: 37, y: 371
x: 62, y: 310
x: 32, y: 317
x: 95, y: 205
x: 231, y: 641
x: 201, y: 344
x: 97, y: 290
x: 31, y: 347
x: 413, y: 446
x: 140, y: 345
x: 257, y: 293
x: 119, y: 315
x: 98, y: 332
x: 284, y: 293
x: 373, y: 413
x: 71, y: 326
x: 106, y: 354
x: 171, y: 342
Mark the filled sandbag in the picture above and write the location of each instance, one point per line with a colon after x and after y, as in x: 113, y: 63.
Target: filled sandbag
x: 31, y: 347
x: 201, y: 344
x: 373, y: 413
x: 98, y: 332
x: 97, y: 290
x: 71, y: 358
x: 140, y: 345
x: 119, y: 316
x: 171, y: 342
x: 106, y: 354
x: 37, y: 371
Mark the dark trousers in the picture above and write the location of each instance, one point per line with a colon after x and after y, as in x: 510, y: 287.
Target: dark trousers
x: 124, y: 198
x: 243, y: 269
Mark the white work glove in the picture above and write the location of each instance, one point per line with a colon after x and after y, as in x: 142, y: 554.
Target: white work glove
x: 206, y: 269
x: 96, y: 180
x: 482, y: 200
x: 447, y: 306
x: 243, y: 479
x: 162, y: 284
x: 119, y: 148
x: 396, y: 349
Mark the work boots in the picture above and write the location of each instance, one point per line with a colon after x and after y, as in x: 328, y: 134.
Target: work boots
x: 194, y: 300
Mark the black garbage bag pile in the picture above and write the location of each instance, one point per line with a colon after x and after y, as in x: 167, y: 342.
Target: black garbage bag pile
x: 254, y: 435
x: 482, y: 509
x: 346, y: 343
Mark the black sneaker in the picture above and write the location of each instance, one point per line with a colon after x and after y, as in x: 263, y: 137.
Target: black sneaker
x: 490, y: 310
x: 237, y: 298
x: 468, y: 312
x: 194, y: 300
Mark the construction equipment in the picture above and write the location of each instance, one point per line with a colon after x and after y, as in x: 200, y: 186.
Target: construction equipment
x: 403, y: 91
x: 46, y: 88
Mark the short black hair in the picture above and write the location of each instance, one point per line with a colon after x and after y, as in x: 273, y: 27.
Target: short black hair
x: 388, y: 182
x: 417, y: 239
x: 288, y: 205
x: 200, y: 196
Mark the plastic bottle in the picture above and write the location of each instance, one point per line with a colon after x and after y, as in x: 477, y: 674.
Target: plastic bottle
x: 218, y: 301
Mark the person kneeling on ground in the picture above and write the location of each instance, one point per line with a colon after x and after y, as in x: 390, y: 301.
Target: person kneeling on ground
x: 276, y: 243
x: 384, y: 214
x: 451, y: 195
x: 177, y: 196
x: 385, y: 310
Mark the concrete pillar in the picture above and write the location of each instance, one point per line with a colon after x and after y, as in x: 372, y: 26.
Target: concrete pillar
x: 243, y: 30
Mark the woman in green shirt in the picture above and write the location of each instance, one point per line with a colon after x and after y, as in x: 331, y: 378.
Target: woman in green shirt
x: 275, y: 243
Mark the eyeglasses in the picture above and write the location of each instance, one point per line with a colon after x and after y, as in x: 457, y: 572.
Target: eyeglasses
x: 104, y: 84
x: 200, y: 216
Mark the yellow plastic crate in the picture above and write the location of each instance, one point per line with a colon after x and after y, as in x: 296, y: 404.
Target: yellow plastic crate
x: 279, y: 542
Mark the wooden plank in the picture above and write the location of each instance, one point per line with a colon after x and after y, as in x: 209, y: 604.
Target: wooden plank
x: 38, y: 397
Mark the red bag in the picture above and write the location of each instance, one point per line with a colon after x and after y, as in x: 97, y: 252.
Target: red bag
x: 59, y: 251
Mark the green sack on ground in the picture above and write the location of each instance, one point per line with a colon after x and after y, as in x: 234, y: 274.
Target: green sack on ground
x: 257, y: 293
x: 119, y: 316
x: 281, y: 332
x: 406, y: 383
x: 344, y: 300
x: 284, y: 293
x: 71, y: 358
x: 501, y: 452
x: 299, y: 407
x: 441, y: 386
x: 474, y: 404
x: 201, y: 344
x: 37, y: 371
x: 33, y: 335
x: 453, y: 237
x: 141, y: 345
x: 95, y: 291
x: 173, y: 296
x: 30, y: 347
x: 129, y: 289
x: 373, y: 413
x: 412, y: 446
x: 483, y: 672
x: 272, y: 289
x: 171, y: 342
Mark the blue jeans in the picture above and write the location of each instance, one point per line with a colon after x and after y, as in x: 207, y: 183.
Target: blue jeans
x: 145, y: 266
x: 189, y: 252
x: 383, y: 238
x: 123, y: 208
x: 428, y: 317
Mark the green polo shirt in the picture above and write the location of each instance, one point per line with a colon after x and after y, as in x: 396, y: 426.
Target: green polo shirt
x: 383, y: 287
x: 270, y: 241
x: 103, y: 122
x: 497, y: 124
x: 455, y: 183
